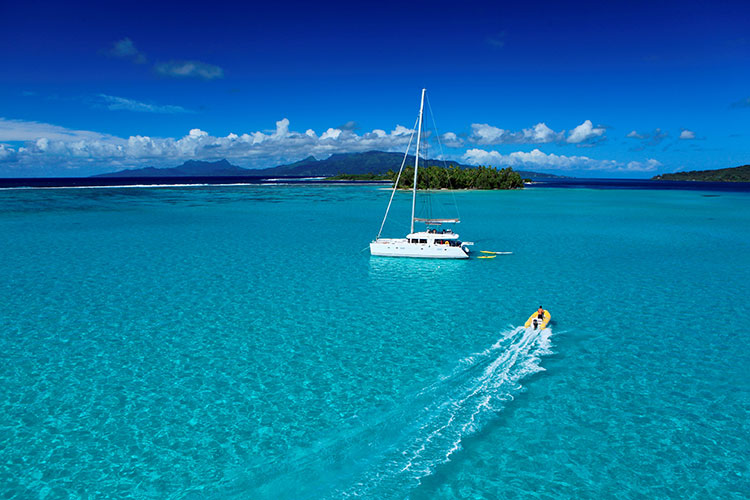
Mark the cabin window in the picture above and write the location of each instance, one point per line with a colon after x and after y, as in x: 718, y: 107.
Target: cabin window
x: 423, y: 241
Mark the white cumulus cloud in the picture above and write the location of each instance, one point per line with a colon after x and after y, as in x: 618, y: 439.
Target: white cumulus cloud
x: 550, y: 161
x: 7, y: 153
x: 540, y: 134
x: 331, y: 133
x: 196, y: 133
x: 687, y: 134
x: 401, y: 130
x: 451, y: 140
x: 643, y: 166
x: 487, y: 135
x: 282, y: 128
x: 585, y: 132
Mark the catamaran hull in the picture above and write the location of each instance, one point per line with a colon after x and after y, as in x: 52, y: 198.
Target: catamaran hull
x: 403, y: 249
x: 430, y: 243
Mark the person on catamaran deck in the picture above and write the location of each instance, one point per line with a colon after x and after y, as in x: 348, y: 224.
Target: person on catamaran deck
x: 540, y: 312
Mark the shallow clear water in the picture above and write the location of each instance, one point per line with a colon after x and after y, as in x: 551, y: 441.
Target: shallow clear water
x: 239, y: 342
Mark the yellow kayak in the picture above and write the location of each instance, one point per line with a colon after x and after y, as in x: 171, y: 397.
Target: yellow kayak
x: 535, y: 322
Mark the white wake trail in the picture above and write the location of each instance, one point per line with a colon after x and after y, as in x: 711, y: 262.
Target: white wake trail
x: 432, y: 426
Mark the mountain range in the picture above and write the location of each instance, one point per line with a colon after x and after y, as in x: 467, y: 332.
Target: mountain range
x: 191, y: 168
x: 370, y: 162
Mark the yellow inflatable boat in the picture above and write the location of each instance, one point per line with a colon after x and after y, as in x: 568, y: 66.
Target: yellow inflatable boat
x: 538, y: 323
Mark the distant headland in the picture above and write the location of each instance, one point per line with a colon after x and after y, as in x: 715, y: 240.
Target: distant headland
x: 376, y: 163
x: 736, y: 174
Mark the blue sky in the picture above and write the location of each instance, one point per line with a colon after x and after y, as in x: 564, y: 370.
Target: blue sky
x: 605, y: 89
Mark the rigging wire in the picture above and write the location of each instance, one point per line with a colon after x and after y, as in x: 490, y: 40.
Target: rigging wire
x: 442, y: 157
x: 426, y: 198
x: 398, y: 177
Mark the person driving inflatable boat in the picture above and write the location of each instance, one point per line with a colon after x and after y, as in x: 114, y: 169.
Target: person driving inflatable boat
x: 539, y: 319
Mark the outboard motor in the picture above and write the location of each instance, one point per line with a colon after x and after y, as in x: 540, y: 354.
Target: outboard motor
x: 535, y: 323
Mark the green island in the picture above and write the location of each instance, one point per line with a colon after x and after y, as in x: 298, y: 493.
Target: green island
x: 452, y: 177
x: 735, y: 174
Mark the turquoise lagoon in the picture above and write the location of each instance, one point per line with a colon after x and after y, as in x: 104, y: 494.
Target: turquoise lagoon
x: 239, y: 342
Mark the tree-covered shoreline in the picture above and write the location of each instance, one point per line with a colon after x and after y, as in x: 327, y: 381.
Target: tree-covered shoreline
x: 735, y: 174
x: 452, y: 177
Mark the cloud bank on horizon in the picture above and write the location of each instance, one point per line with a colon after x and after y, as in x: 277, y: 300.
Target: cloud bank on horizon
x: 40, y: 146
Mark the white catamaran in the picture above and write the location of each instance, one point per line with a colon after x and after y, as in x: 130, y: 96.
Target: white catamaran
x: 432, y: 243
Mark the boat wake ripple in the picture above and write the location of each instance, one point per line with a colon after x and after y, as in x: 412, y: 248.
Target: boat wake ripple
x: 432, y: 426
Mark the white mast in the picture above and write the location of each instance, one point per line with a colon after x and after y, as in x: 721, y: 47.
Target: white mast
x: 416, y: 161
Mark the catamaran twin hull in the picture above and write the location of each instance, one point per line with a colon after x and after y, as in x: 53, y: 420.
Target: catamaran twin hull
x: 400, y: 247
x: 428, y: 244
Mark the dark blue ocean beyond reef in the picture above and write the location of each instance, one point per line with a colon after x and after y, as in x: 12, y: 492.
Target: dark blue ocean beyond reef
x: 643, y: 184
x: 78, y: 182
x: 238, y: 341
x: 561, y: 182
